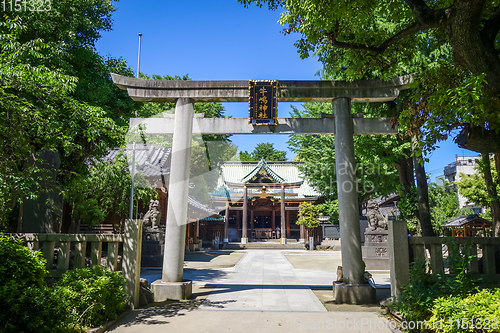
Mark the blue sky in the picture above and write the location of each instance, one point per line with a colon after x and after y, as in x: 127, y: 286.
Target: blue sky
x: 221, y: 40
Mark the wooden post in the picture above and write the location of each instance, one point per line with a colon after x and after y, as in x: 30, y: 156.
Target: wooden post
x: 252, y: 226
x: 48, y: 253
x: 273, y: 219
x: 399, y: 256
x: 196, y: 231
x: 226, y: 224
x: 244, y: 226
x: 283, y: 223
x: 287, y: 212
x: 80, y: 250
x: 112, y: 255
x: 239, y: 222
x: 437, y: 259
x: 63, y: 256
x: 131, y: 262
x: 95, y: 253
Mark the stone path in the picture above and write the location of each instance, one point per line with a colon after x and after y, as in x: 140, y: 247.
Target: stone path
x: 263, y: 280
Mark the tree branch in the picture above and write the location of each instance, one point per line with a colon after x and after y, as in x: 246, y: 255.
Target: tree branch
x: 492, y: 26
x: 332, y: 39
x: 425, y: 18
x: 425, y: 15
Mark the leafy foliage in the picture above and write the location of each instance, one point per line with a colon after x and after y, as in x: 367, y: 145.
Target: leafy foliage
x: 27, y: 303
x: 473, y: 187
x: 376, y: 156
x: 419, y: 294
x: 443, y: 202
x: 50, y: 98
x: 330, y: 208
x: 206, y: 150
x: 19, y: 265
x: 475, y: 312
x: 308, y: 215
x: 105, y: 190
x: 263, y: 151
x: 91, y: 295
x: 450, y: 48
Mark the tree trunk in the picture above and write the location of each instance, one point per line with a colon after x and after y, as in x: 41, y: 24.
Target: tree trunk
x: 473, y: 46
x: 492, y: 192
x: 496, y: 158
x: 424, y: 213
x: 405, y: 172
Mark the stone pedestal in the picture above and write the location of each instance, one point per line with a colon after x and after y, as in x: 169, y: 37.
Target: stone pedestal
x: 171, y: 290
x: 375, y: 249
x: 354, y: 293
x: 153, y: 241
x: 244, y: 240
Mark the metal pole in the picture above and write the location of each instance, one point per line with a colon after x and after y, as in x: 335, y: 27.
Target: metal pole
x: 131, y: 212
x: 139, y: 56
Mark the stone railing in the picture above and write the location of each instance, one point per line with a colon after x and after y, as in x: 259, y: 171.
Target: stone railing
x: 63, y: 247
x: 442, y: 255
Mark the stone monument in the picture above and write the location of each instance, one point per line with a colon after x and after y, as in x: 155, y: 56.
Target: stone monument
x: 375, y: 249
x: 153, y: 237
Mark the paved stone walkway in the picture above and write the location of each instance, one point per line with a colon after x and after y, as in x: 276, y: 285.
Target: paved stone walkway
x: 263, y: 280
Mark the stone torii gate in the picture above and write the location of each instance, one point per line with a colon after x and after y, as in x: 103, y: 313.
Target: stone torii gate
x: 184, y: 124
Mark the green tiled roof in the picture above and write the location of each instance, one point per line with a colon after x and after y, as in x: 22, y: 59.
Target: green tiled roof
x: 262, y: 166
x: 238, y: 172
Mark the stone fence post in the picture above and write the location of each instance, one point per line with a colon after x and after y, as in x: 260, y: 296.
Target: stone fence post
x: 131, y: 261
x: 399, y: 256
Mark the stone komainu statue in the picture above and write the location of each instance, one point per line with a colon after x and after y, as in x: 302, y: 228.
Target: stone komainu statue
x: 152, y: 215
x: 375, y: 217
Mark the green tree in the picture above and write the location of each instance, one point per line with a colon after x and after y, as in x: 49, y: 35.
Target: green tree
x: 451, y: 47
x: 41, y: 113
x: 474, y: 188
x: 207, y: 151
x: 106, y: 189
x: 377, y: 157
x: 330, y: 208
x: 443, y: 201
x: 265, y: 151
x: 308, y: 215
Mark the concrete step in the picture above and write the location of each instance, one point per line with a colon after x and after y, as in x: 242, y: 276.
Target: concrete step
x: 293, y: 245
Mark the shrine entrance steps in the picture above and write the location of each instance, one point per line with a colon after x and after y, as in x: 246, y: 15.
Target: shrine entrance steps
x: 268, y: 244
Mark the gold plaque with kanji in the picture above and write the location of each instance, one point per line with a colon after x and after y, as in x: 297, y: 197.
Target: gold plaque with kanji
x: 263, y: 105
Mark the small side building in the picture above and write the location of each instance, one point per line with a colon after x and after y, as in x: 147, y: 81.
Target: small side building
x: 468, y: 226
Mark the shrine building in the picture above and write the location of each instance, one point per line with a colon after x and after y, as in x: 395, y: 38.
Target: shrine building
x: 264, y: 196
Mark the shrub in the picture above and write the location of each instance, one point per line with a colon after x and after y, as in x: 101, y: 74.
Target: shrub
x: 475, y: 313
x: 91, y: 296
x: 26, y: 302
x: 418, y: 296
x: 19, y: 265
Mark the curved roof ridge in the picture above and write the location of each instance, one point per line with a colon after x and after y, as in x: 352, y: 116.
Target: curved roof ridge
x: 263, y: 165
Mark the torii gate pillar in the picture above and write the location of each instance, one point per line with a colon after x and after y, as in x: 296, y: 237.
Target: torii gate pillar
x: 353, y: 289
x: 171, y: 285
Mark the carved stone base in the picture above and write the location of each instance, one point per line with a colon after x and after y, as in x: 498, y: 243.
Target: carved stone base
x: 354, y: 293
x: 171, y: 290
